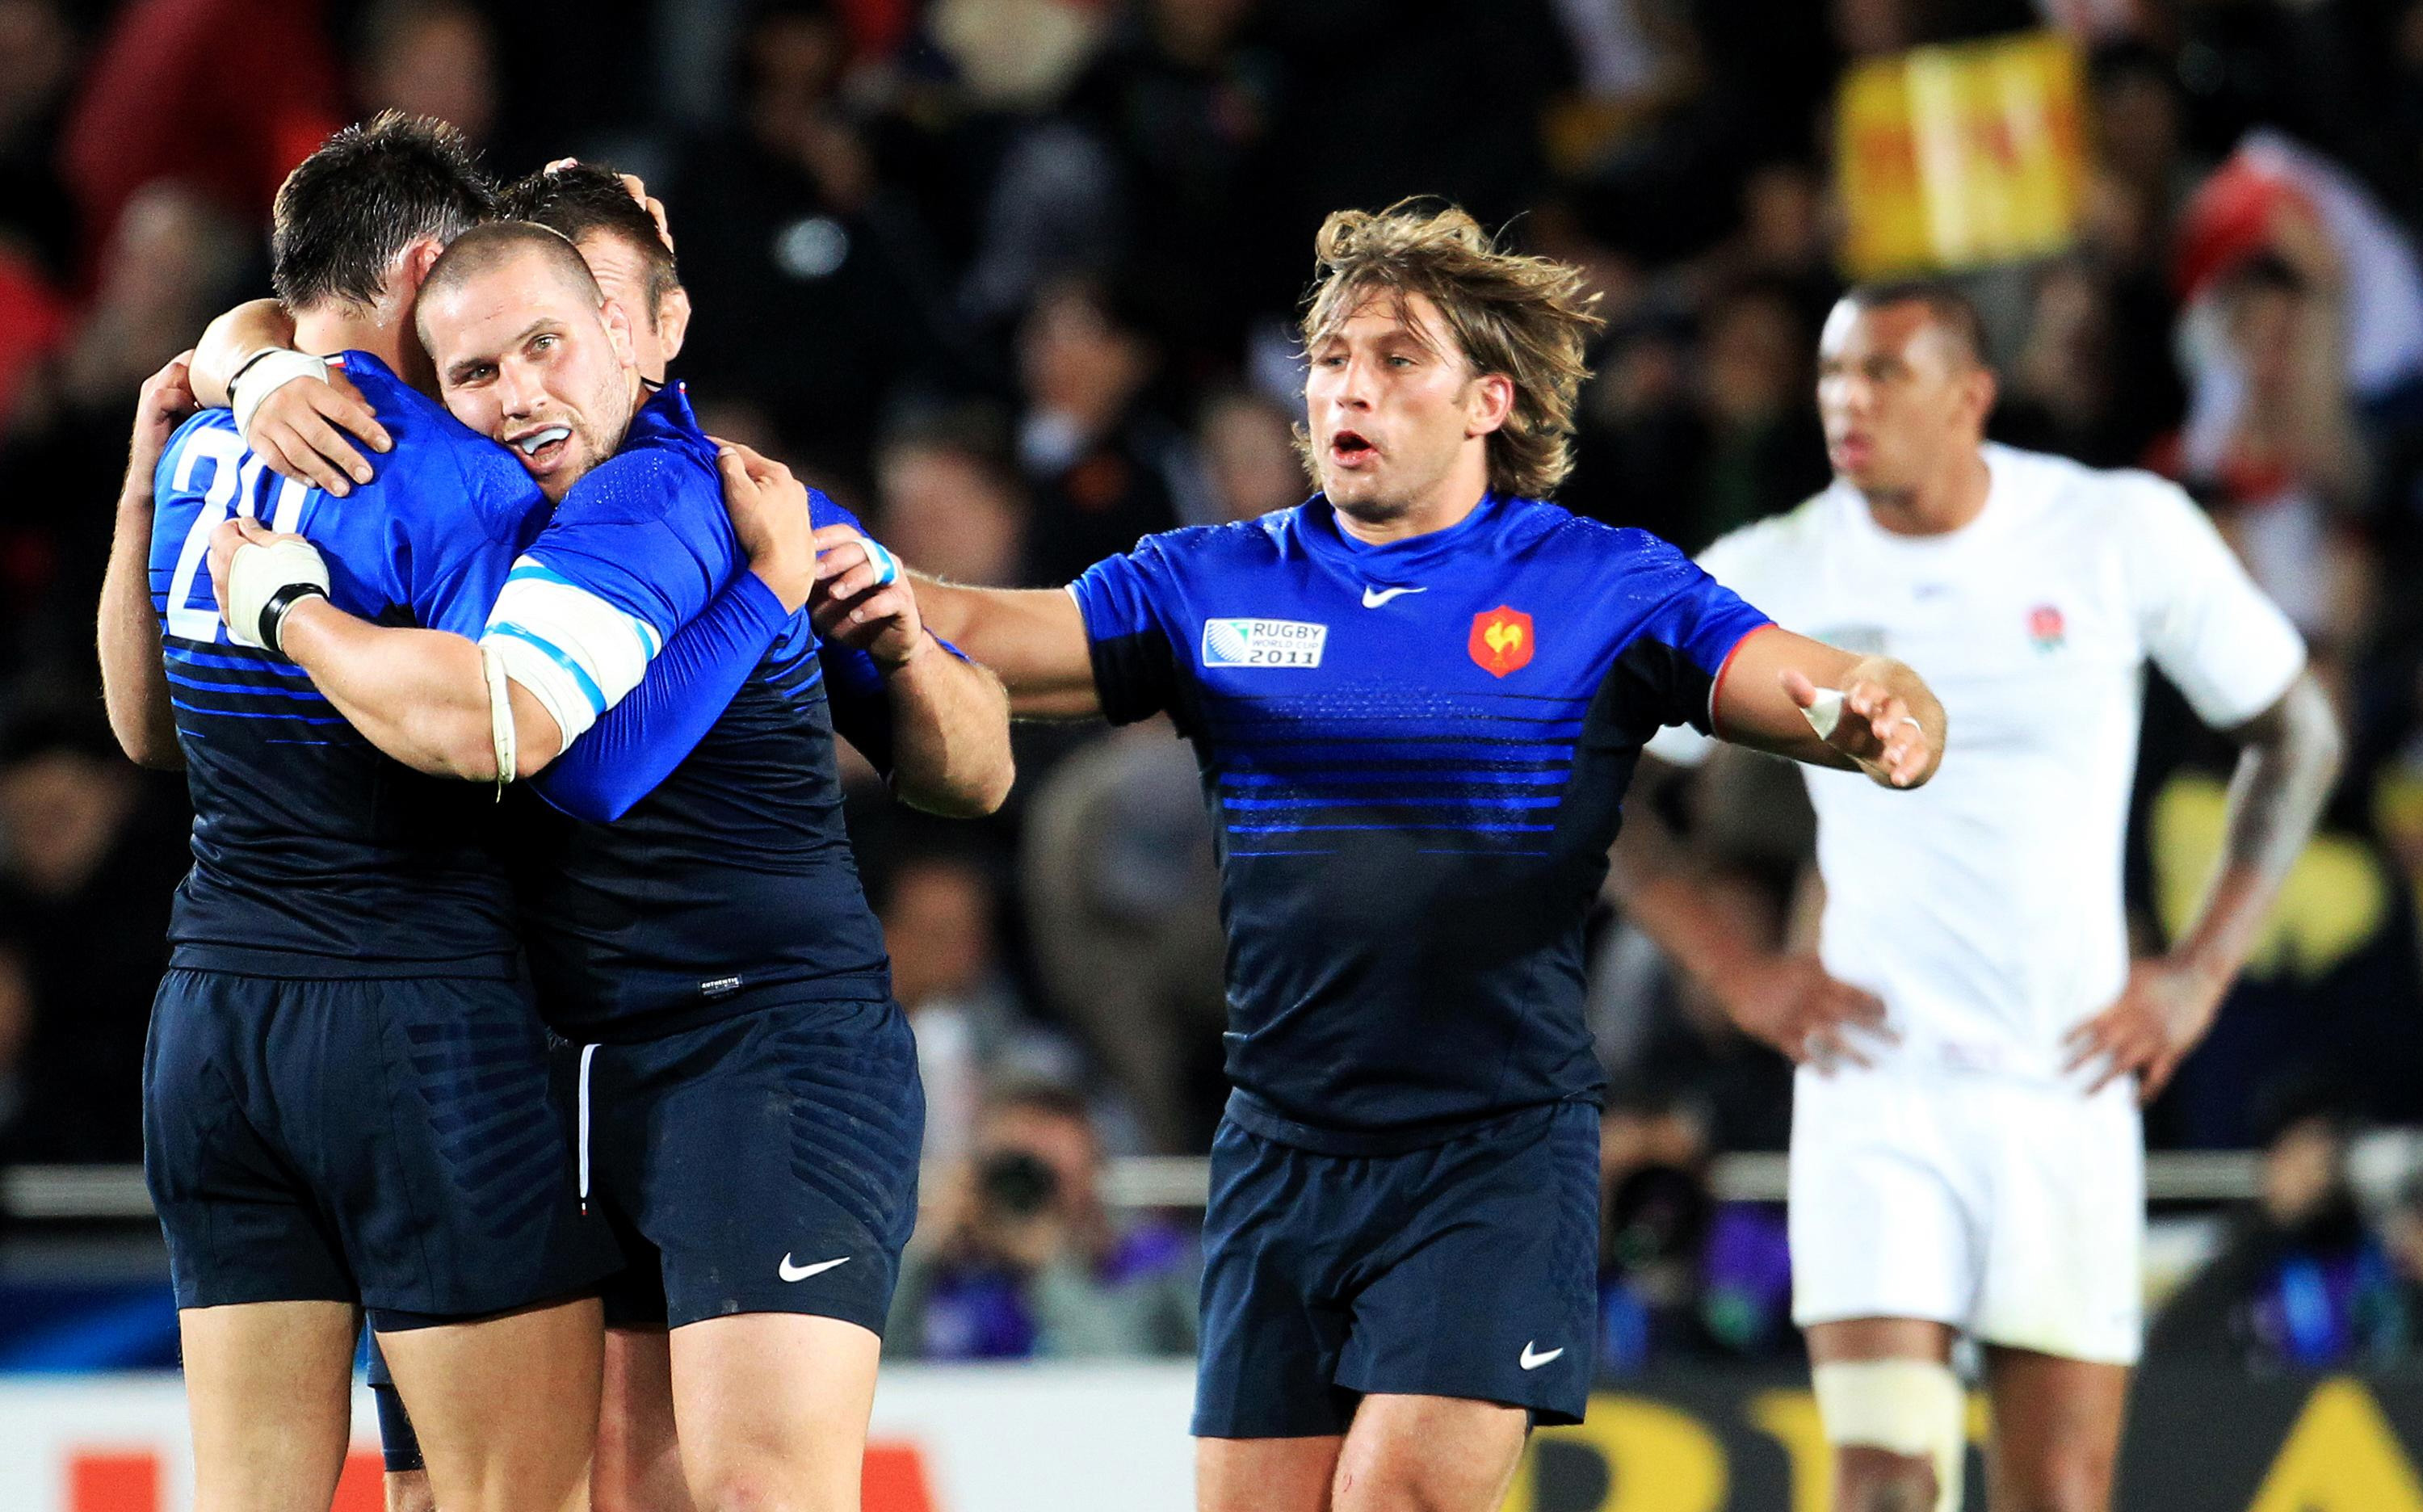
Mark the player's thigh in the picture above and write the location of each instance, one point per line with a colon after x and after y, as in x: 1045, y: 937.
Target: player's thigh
x: 407, y: 1490
x: 1480, y: 1274
x: 505, y: 1408
x: 269, y: 1386
x: 243, y: 1223
x: 1277, y: 1253
x: 770, y: 1160
x: 1846, y: 1341
x: 1266, y: 1475
x: 443, y: 1144
x: 2064, y: 1262
x: 2056, y: 1431
x: 773, y: 1409
x: 638, y: 1453
x: 1886, y: 1203
x: 1429, y: 1454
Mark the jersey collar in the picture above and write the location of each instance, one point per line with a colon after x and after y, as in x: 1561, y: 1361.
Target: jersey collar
x: 1392, y: 560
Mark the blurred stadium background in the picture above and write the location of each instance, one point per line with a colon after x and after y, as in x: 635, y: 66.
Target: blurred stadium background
x: 1014, y: 278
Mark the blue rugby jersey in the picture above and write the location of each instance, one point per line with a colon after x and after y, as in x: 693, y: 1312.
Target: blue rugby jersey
x: 733, y: 883
x: 315, y: 856
x: 1415, y: 755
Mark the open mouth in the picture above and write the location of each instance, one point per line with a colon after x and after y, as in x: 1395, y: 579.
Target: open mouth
x: 1349, y: 448
x: 541, y: 448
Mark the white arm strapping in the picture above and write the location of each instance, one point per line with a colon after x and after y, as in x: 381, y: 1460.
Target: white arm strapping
x: 500, y: 715
x: 265, y: 375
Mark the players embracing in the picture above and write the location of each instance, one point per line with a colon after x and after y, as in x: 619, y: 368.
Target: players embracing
x: 556, y: 596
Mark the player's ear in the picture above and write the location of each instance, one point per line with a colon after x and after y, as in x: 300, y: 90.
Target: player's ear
x: 673, y: 320
x: 1490, y: 401
x: 618, y: 331
x: 413, y: 263
x: 1980, y: 392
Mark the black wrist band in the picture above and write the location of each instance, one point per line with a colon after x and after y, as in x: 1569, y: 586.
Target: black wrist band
x: 281, y: 603
x: 249, y: 363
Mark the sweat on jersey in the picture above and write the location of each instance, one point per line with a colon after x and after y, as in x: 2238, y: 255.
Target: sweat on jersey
x: 732, y: 885
x: 1415, y: 755
x: 315, y: 854
x: 1985, y: 909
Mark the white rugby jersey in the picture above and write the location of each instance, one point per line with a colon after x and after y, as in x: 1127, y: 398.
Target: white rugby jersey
x: 1984, y: 908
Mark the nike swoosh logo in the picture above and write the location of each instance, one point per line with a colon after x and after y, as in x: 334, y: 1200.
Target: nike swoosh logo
x: 791, y: 1272
x: 1374, y: 597
x: 1533, y: 1361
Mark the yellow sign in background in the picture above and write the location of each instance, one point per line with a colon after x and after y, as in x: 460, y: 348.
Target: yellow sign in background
x: 1955, y: 157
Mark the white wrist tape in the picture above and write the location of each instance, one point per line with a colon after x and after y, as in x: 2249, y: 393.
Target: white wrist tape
x: 501, y: 714
x: 268, y: 373
x: 1826, y: 713
x: 255, y: 576
x: 887, y: 567
x: 1913, y: 1408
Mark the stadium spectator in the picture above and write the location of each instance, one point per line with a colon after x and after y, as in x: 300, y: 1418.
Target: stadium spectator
x: 815, y: 281
x: 1249, y: 456
x: 972, y: 1034
x: 1106, y: 465
x: 949, y: 497
x: 1018, y: 1259
x: 430, y: 58
x: 1681, y: 1274
x: 16, y: 1033
x: 2301, y: 1282
x: 225, y: 96
x: 88, y: 860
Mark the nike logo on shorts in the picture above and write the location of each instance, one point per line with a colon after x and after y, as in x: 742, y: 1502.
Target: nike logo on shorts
x: 791, y: 1272
x: 1533, y: 1361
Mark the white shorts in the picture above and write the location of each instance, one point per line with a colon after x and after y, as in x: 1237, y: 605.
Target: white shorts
x: 2011, y: 1210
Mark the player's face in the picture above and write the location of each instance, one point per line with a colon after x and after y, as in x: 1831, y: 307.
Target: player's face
x: 1397, y: 414
x: 622, y: 273
x: 1896, y: 394
x: 524, y: 359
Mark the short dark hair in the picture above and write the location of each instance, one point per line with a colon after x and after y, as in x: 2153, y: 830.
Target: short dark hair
x: 1946, y: 305
x: 371, y: 191
x: 483, y: 247
x: 586, y: 199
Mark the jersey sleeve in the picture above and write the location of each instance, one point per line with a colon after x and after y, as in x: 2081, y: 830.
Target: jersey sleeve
x: 626, y: 561
x: 450, y: 577
x: 1681, y: 646
x: 639, y: 742
x: 1688, y: 742
x: 2202, y: 620
x: 861, y: 711
x: 1128, y: 604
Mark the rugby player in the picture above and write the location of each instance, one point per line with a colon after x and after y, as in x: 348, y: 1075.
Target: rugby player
x: 1978, y: 1167
x: 750, y: 1086
x: 1417, y: 700
x: 346, y: 1092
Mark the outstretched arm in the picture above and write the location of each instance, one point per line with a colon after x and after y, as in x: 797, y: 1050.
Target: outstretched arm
x: 1796, y: 697
x: 950, y: 717
x: 1033, y: 638
x: 2288, y: 758
x: 134, y: 679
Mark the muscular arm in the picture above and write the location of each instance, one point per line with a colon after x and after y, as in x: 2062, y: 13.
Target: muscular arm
x: 422, y: 696
x: 950, y: 734
x: 133, y: 676
x: 231, y: 339
x: 1033, y: 638
x: 1772, y: 674
x: 2289, y: 759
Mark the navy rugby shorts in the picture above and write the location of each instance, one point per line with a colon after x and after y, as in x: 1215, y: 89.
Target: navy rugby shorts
x: 1467, y: 1269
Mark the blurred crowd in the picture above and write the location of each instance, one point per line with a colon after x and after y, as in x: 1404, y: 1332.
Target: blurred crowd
x: 1015, y: 279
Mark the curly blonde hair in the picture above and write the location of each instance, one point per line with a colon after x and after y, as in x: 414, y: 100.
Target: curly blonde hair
x: 1525, y: 317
